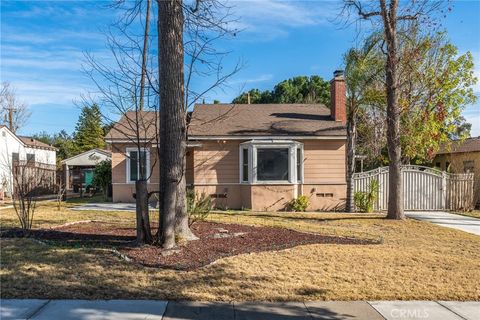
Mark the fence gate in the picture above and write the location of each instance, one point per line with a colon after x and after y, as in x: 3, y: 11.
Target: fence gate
x: 424, y: 188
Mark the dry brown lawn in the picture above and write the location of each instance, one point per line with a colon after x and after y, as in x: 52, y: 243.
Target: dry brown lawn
x: 416, y: 260
x: 473, y: 213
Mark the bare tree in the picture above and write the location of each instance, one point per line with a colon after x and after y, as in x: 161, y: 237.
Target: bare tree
x: 13, y: 113
x: 391, y: 19
x: 205, y: 23
x: 30, y: 179
x: 123, y: 90
x: 60, y: 192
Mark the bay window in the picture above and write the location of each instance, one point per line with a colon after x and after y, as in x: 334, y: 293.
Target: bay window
x: 136, y: 169
x: 271, y: 161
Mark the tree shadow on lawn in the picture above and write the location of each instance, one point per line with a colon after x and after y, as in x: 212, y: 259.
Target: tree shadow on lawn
x: 216, y: 241
x: 31, y: 270
x: 67, y: 238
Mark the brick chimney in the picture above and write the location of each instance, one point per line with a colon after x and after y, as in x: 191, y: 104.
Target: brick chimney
x: 338, y: 96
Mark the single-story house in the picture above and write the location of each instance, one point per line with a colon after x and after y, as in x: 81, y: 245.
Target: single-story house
x: 78, y: 170
x: 249, y: 156
x: 17, y: 151
x: 461, y: 156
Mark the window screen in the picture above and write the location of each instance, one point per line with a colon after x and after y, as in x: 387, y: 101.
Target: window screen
x: 133, y: 165
x: 245, y: 165
x: 272, y: 164
x: 299, y: 164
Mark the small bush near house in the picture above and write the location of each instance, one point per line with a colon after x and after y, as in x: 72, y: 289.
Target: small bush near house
x: 364, y: 201
x: 300, y: 204
x: 198, y: 206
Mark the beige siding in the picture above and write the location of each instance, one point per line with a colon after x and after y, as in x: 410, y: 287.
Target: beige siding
x: 324, y: 161
x: 216, y: 162
x: 119, y: 163
x: 214, y: 169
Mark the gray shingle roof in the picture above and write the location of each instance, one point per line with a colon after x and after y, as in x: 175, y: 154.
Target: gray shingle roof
x: 263, y: 120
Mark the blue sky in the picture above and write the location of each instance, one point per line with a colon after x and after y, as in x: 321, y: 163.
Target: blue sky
x: 43, y: 44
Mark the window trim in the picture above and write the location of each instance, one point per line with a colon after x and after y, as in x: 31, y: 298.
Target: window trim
x: 127, y: 167
x: 253, y: 145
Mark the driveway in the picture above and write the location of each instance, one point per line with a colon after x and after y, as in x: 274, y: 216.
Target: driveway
x: 107, y: 206
x: 449, y: 220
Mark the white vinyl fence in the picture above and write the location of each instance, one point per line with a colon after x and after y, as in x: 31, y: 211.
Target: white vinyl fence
x: 424, y: 188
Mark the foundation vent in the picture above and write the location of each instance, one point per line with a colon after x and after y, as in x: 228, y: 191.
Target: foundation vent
x: 324, y: 195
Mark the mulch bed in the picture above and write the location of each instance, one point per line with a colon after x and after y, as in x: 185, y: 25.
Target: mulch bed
x: 216, y: 240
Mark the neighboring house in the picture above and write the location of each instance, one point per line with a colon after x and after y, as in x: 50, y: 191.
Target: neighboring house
x: 250, y: 156
x: 24, y: 151
x: 461, y: 157
x: 78, y: 170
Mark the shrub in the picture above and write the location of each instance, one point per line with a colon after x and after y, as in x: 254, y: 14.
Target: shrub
x: 198, y: 206
x: 102, y: 176
x: 300, y: 204
x: 364, y: 200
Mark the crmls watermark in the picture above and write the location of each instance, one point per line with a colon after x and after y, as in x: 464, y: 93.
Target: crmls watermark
x: 409, y: 314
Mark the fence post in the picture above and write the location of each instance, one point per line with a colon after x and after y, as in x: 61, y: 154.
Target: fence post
x: 444, y: 190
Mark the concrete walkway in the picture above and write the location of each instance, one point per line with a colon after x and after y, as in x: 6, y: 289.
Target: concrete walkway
x: 190, y: 310
x: 449, y: 220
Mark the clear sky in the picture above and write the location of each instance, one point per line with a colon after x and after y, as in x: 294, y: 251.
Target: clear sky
x: 43, y: 44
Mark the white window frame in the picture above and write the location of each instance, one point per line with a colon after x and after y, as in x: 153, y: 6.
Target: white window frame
x: 127, y: 157
x: 252, y: 147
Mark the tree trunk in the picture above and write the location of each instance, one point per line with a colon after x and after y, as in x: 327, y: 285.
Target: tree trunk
x: 182, y: 228
x: 395, y: 193
x: 351, y: 141
x: 172, y: 121
x: 144, y: 234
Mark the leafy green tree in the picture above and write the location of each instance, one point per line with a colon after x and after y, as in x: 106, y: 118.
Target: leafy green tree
x: 44, y: 137
x: 438, y: 85
x: 89, y: 132
x: 102, y: 177
x: 363, y: 73
x: 301, y: 89
x: 256, y: 97
x: 463, y: 129
x: 435, y: 85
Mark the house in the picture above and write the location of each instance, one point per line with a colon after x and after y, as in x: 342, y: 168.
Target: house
x: 247, y: 156
x: 78, y: 170
x: 461, y: 157
x: 24, y: 151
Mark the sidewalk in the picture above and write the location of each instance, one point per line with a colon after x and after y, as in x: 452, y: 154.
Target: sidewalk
x: 190, y: 310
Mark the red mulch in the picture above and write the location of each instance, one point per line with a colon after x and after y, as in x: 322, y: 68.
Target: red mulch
x: 193, y: 255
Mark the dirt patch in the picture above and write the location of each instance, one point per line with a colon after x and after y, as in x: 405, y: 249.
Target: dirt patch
x: 216, y: 240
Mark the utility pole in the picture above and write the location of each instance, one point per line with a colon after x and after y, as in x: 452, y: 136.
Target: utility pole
x: 11, y: 111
